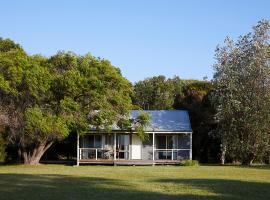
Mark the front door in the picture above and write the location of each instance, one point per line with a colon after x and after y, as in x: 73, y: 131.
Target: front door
x: 136, y: 148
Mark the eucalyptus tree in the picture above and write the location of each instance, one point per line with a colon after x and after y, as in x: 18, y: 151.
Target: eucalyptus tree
x: 157, y: 92
x: 46, y: 98
x: 242, y: 95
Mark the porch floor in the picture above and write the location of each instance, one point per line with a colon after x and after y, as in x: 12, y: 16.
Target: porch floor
x: 128, y: 162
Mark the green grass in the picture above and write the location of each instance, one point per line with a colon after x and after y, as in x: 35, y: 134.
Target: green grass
x: 143, y: 183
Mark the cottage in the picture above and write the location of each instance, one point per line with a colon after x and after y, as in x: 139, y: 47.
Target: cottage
x: 169, y: 141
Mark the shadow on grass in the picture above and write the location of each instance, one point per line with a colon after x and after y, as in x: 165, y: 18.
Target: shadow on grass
x: 226, y: 189
x: 51, y: 186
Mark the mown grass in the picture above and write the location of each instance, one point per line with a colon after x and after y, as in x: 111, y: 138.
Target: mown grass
x: 143, y: 183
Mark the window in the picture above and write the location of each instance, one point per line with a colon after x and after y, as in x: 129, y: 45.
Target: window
x: 161, y: 142
x: 98, y: 141
x: 169, y: 142
x: 164, y: 142
x: 109, y: 140
x: 93, y: 141
x: 184, y: 141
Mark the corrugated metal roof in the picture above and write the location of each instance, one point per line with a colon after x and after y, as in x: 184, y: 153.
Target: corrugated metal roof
x: 166, y: 120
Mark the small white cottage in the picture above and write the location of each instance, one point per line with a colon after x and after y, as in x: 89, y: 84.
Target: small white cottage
x: 169, y: 141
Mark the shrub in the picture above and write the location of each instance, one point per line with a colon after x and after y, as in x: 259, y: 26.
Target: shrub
x: 189, y: 163
x: 2, y: 149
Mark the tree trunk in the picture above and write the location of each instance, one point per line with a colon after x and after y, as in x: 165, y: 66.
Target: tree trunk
x: 32, y: 157
x: 222, y: 159
x: 223, y: 154
x: 248, y: 160
x: 19, y: 159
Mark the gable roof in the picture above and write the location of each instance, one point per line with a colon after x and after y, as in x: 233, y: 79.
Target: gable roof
x: 166, y: 120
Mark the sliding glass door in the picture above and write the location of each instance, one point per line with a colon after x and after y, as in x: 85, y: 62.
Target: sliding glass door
x: 165, y: 144
x: 122, y: 146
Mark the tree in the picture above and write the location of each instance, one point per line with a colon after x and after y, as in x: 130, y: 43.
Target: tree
x: 2, y: 141
x: 7, y: 45
x: 195, y: 99
x: 44, y: 99
x: 3, y: 123
x: 156, y: 93
x: 242, y: 95
x: 138, y: 124
x: 2, y: 148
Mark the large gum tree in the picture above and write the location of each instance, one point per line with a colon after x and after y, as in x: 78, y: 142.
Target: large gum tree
x: 44, y: 99
x: 242, y: 95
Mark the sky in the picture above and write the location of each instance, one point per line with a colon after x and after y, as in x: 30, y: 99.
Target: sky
x: 144, y: 38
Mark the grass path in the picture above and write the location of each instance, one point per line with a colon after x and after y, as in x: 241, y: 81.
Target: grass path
x: 143, y: 183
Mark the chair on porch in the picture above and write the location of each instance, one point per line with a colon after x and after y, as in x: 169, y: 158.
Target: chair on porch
x: 108, y: 154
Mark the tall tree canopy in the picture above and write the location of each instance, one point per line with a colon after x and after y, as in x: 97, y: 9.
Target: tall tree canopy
x: 242, y: 95
x: 45, y: 98
x: 157, y: 93
x: 195, y: 99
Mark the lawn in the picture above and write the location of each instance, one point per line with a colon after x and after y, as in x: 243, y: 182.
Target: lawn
x: 159, y: 182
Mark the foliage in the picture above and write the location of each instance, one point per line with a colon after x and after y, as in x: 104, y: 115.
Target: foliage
x: 194, y: 92
x: 137, y: 125
x: 189, y: 163
x: 46, y: 98
x: 2, y: 148
x: 2, y: 140
x: 242, y: 95
x: 157, y: 93
x: 43, y: 125
x: 141, y: 123
x: 196, y: 100
x: 7, y: 45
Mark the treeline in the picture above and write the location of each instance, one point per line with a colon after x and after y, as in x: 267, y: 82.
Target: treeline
x: 158, y: 93
x: 45, y: 102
